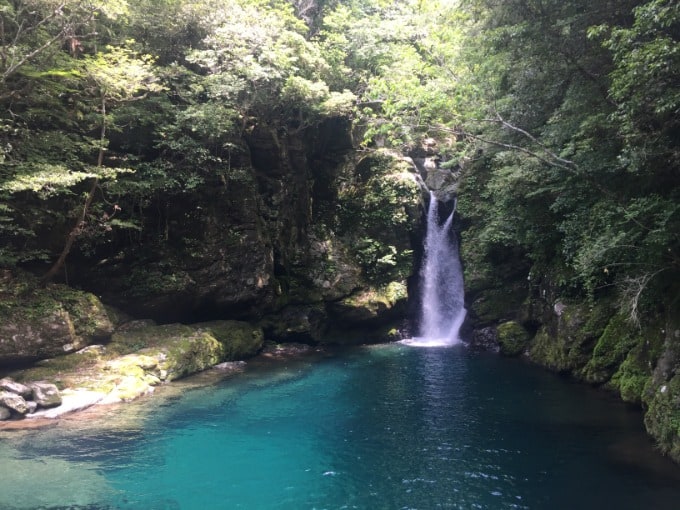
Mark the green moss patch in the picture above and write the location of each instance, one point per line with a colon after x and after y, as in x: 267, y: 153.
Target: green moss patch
x: 240, y: 339
x: 512, y: 338
x: 567, y: 347
x: 611, y: 349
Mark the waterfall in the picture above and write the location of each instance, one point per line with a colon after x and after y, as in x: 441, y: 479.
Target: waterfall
x: 441, y: 279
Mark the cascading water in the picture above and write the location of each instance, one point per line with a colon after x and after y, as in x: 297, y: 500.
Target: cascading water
x: 442, y: 301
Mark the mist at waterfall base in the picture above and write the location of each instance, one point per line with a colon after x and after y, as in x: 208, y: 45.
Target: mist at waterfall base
x: 382, y: 427
x: 442, y: 295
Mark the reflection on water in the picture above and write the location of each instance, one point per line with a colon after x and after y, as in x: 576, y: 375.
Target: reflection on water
x: 377, y: 427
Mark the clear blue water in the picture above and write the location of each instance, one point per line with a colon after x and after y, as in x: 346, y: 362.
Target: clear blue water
x: 388, y: 427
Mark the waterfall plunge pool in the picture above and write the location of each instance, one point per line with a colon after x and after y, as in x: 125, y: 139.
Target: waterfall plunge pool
x: 383, y: 427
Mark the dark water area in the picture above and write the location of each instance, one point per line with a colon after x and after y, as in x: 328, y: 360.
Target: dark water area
x: 385, y: 427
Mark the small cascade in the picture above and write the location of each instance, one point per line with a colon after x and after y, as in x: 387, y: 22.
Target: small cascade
x: 442, y: 300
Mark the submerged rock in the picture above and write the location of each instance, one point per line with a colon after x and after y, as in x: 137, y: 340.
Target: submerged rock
x: 282, y: 351
x: 230, y: 366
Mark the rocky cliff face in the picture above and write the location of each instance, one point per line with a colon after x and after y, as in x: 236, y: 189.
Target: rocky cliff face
x: 300, y: 234
x: 520, y: 311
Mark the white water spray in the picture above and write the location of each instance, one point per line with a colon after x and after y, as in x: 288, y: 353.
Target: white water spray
x: 441, y: 277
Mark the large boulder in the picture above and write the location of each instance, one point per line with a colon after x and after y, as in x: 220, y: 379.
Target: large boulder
x: 38, y: 323
x: 172, y: 351
x: 512, y: 338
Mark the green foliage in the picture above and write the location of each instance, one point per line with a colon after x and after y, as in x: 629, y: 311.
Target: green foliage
x: 373, y: 211
x: 647, y: 63
x: 581, y: 150
x: 33, y: 30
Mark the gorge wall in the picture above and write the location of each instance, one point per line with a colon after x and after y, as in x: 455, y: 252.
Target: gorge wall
x: 519, y: 308
x: 301, y: 235
x: 313, y: 242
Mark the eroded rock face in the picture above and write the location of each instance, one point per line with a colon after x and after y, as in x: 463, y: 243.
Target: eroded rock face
x: 661, y: 393
x: 214, y: 260
x: 301, y: 222
x: 484, y: 339
x: 301, y: 234
x: 172, y: 351
x: 592, y: 341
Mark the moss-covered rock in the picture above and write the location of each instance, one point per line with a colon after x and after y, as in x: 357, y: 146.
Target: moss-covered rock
x: 662, y: 418
x: 379, y: 208
x: 326, y: 272
x: 564, y: 342
x: 240, y: 340
x: 143, y: 354
x: 634, y: 373
x: 180, y: 350
x: 661, y: 395
x: 611, y: 349
x: 38, y: 323
x: 374, y: 304
x: 90, y: 317
x: 512, y: 338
